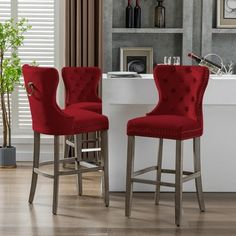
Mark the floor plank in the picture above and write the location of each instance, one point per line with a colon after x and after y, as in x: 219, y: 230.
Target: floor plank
x: 87, y: 215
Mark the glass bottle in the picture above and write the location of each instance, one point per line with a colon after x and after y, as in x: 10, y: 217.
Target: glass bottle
x: 129, y: 15
x: 137, y: 15
x: 213, y: 67
x: 160, y: 21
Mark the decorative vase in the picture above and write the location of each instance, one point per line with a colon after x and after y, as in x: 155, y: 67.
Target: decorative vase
x: 129, y: 15
x: 137, y: 15
x: 160, y: 21
x: 7, y: 157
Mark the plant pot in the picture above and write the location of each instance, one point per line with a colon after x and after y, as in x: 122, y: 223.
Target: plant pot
x: 8, y: 157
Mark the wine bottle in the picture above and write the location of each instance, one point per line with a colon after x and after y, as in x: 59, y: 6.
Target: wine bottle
x: 160, y: 21
x: 213, y: 67
x: 137, y: 15
x: 129, y: 15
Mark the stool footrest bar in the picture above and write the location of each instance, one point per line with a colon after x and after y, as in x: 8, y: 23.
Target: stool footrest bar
x: 66, y: 160
x: 145, y: 170
x: 153, y: 182
x: 88, y: 165
x: 70, y: 172
x: 84, y: 149
x: 144, y: 181
x: 169, y: 171
x: 91, y: 150
x: 167, y: 184
x: 192, y: 176
x: 75, y: 172
x: 39, y: 172
x: 153, y: 168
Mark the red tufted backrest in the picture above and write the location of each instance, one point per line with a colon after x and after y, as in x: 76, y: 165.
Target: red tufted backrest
x: 181, y: 90
x: 41, y: 85
x: 81, y: 84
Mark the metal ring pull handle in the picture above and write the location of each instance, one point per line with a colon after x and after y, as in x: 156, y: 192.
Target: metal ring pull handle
x: 31, y: 87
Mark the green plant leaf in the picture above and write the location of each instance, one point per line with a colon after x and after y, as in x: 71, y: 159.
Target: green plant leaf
x: 11, y: 38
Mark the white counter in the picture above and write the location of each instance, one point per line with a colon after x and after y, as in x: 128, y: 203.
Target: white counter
x: 124, y: 99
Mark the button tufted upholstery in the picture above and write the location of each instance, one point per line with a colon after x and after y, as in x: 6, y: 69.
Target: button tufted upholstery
x: 47, y: 117
x: 87, y: 121
x: 81, y: 84
x: 89, y: 106
x: 178, y: 114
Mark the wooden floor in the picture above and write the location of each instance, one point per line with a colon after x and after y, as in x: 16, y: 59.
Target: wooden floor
x: 87, y: 215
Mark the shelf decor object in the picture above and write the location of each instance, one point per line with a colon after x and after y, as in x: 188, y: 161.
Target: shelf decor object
x: 129, y: 15
x: 226, y: 13
x: 122, y: 74
x: 172, y: 61
x: 136, y: 59
x: 137, y: 15
x: 226, y: 69
x: 213, y: 67
x: 160, y: 21
x: 178, y: 34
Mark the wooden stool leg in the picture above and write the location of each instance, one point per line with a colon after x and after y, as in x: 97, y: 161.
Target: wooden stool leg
x: 97, y: 145
x: 66, y: 150
x: 159, y: 166
x: 197, y: 167
x: 129, y: 174
x: 178, y: 182
x: 56, y: 175
x: 105, y: 164
x: 78, y: 155
x: 35, y: 165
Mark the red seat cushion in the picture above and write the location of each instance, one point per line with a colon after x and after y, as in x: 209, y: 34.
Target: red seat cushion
x: 81, y: 84
x: 178, y: 114
x: 164, y: 126
x: 87, y: 121
x: 89, y: 106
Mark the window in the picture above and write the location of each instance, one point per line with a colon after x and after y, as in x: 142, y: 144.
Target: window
x: 39, y: 46
x: 5, y: 10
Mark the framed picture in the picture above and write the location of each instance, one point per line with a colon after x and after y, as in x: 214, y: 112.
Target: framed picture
x: 136, y: 59
x: 226, y: 13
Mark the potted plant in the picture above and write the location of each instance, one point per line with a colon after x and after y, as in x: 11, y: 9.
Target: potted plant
x: 11, y: 38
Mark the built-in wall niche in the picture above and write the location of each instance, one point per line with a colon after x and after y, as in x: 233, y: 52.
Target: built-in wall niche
x: 220, y: 41
x: 162, y: 45
x: 173, y: 40
x: 174, y: 13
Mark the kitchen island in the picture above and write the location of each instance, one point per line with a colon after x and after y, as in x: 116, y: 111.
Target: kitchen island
x: 127, y: 98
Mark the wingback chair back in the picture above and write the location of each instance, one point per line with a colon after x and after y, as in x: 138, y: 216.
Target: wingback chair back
x: 181, y: 90
x: 41, y: 85
x: 81, y: 84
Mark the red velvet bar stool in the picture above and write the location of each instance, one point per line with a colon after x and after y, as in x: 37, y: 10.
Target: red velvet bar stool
x: 81, y: 86
x: 178, y: 116
x: 47, y: 118
x: 81, y: 92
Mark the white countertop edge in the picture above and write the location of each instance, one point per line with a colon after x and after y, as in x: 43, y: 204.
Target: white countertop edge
x: 150, y: 76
